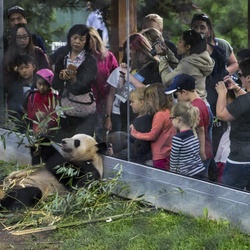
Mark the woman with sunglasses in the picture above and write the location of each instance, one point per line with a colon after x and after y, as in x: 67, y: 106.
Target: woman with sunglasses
x: 195, y: 61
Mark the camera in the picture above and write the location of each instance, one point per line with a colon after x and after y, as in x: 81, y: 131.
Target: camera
x: 227, y: 83
x: 153, y: 50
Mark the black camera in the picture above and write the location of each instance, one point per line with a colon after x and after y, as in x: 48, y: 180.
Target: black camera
x: 153, y: 50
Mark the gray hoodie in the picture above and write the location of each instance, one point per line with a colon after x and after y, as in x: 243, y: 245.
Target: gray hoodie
x: 197, y: 65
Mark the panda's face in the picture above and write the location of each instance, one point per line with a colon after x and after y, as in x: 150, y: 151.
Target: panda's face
x: 67, y: 145
x: 80, y: 147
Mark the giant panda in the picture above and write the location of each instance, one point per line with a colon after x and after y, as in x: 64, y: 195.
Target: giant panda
x: 26, y: 187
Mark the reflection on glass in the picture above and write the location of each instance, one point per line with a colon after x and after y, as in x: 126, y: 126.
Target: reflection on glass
x: 141, y: 67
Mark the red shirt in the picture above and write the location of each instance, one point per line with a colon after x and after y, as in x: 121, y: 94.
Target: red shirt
x: 204, y: 122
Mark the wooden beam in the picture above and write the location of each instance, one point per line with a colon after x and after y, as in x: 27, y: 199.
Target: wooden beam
x: 118, y: 24
x: 248, y: 23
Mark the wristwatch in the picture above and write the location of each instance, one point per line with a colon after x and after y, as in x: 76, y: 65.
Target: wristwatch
x: 107, y: 116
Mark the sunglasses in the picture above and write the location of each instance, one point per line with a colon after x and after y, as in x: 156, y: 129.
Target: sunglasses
x: 201, y: 16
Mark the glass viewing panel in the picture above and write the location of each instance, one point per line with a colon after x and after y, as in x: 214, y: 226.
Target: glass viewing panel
x: 128, y: 90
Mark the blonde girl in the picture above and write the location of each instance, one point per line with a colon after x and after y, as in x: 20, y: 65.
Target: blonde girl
x: 158, y: 104
x: 136, y: 98
x: 141, y: 149
x: 185, y: 153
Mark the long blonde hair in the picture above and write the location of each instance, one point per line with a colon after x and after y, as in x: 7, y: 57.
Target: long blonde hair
x: 156, y: 99
x: 97, y: 46
x: 153, y: 35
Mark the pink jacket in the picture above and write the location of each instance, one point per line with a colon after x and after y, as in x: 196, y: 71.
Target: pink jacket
x: 161, y: 135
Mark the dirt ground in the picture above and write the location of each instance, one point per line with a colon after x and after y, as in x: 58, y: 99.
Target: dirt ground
x: 36, y: 241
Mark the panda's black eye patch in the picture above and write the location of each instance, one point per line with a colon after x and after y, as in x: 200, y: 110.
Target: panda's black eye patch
x: 77, y: 143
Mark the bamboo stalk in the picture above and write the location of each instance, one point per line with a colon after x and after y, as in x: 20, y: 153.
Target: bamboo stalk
x: 77, y: 223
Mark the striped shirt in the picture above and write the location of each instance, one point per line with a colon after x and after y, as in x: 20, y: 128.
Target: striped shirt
x: 185, y: 154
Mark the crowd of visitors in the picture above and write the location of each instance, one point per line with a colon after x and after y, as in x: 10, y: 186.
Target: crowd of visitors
x: 176, y: 106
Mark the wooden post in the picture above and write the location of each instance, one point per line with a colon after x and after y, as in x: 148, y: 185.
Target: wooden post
x: 248, y: 24
x: 2, y: 106
x: 118, y: 24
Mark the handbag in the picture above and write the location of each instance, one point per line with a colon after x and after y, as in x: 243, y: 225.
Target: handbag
x: 82, y: 105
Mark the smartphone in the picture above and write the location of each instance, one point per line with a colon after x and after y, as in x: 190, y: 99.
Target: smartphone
x: 71, y: 69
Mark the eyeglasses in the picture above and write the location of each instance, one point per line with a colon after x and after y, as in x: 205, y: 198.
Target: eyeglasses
x: 171, y: 118
x: 25, y: 37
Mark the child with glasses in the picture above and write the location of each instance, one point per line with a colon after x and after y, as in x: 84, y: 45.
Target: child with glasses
x: 185, y: 153
x: 183, y: 87
x: 157, y: 103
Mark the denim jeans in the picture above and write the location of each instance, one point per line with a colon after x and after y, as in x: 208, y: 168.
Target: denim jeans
x: 206, y: 164
x: 236, y: 175
x: 211, y: 120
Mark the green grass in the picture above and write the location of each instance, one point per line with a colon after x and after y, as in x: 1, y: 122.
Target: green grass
x: 156, y: 230
x: 136, y: 228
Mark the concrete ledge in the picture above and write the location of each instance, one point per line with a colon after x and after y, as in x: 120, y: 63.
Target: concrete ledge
x: 164, y: 189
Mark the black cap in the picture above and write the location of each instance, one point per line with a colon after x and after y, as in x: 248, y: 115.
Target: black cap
x: 181, y: 82
x: 16, y: 9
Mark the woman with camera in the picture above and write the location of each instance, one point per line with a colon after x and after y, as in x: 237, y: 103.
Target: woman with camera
x: 143, y: 69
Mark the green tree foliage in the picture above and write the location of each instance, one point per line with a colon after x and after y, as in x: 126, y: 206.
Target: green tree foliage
x: 40, y: 14
x: 229, y: 17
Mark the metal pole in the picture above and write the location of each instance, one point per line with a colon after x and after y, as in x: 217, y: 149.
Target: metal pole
x: 128, y: 71
x: 2, y: 108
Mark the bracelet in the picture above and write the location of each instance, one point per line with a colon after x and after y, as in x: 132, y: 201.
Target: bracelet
x: 237, y: 90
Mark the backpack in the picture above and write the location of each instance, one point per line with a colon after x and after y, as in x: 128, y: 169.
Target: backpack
x: 218, y: 73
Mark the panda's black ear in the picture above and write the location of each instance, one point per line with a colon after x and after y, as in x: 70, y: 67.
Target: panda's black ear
x: 77, y: 143
x: 102, y: 147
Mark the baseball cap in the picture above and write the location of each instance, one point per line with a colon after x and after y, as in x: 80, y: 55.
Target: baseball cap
x: 46, y: 74
x: 16, y: 9
x: 181, y: 82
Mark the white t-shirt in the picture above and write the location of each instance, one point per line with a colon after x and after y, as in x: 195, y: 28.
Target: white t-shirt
x: 113, y: 80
